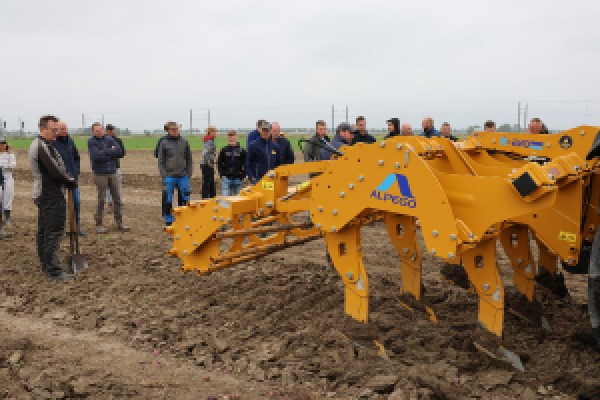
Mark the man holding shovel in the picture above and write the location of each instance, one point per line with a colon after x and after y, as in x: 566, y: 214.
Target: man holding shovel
x: 49, y: 180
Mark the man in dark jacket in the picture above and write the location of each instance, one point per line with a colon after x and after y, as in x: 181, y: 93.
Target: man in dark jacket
x: 175, y: 167
x: 286, y: 153
x: 393, y: 125
x: 65, y: 146
x: 263, y: 155
x: 231, y: 165
x: 104, y: 153
x: 361, y: 135
x: 110, y: 131
x: 49, y: 180
x: 446, y: 132
x: 428, y: 128
x: 254, y: 134
x: 163, y: 203
x: 344, y: 137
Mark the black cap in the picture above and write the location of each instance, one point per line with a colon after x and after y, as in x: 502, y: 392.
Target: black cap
x: 110, y: 127
x: 344, y: 126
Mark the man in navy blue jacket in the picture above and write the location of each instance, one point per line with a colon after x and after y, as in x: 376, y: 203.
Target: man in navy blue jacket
x: 104, y: 152
x: 68, y: 151
x: 263, y: 155
x: 428, y: 128
x: 255, y: 134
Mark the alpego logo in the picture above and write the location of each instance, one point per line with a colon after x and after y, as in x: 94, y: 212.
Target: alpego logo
x: 405, y: 199
x: 528, y: 144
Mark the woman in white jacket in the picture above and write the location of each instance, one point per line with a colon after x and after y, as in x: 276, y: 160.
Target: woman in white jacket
x: 8, y: 163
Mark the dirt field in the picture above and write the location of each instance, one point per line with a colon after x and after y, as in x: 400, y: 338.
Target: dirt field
x: 132, y: 326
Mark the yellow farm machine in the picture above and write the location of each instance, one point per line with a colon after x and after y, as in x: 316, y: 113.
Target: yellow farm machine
x: 463, y: 196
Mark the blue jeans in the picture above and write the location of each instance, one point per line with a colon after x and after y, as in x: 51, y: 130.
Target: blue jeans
x: 230, y: 187
x: 77, y: 204
x: 182, y: 183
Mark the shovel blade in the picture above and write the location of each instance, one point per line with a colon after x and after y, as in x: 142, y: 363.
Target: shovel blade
x: 77, y: 263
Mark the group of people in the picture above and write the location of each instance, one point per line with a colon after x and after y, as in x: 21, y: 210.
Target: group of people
x: 266, y: 148
x: 55, y: 164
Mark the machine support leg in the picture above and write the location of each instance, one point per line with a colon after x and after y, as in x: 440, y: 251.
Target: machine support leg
x: 480, y: 264
x: 344, y: 248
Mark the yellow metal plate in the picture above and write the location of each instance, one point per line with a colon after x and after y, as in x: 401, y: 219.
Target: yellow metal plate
x: 268, y: 186
x: 567, y: 236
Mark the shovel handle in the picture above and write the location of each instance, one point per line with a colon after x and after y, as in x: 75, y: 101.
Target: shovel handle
x: 72, y: 224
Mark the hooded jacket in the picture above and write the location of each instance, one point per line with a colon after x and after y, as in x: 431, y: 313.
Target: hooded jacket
x: 69, y: 153
x: 104, y: 153
x: 396, y: 123
x: 231, y: 162
x: 263, y: 155
x: 175, y: 157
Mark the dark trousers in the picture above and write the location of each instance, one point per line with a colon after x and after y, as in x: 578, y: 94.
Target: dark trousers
x: 51, y: 224
x: 166, y: 207
x: 209, y: 190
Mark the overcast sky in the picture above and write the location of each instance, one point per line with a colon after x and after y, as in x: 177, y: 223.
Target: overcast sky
x: 144, y: 62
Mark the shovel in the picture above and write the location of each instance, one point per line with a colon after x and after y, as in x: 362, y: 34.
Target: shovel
x: 75, y: 261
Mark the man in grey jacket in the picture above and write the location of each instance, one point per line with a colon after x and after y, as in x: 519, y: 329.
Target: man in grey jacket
x: 207, y: 164
x: 175, y: 167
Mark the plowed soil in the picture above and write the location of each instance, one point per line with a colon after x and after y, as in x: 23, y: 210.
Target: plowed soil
x: 132, y: 326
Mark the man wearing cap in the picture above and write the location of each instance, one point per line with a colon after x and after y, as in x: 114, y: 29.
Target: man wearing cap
x: 175, y: 167
x: 343, y: 137
x: 285, y: 147
x: 361, y: 135
x: 110, y: 131
x: 263, y: 154
x: 65, y: 146
x: 50, y: 178
x: 254, y: 134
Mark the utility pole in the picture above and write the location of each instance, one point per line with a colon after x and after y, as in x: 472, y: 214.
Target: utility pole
x: 103, y: 120
x: 82, y: 124
x: 525, y: 112
x: 519, y: 117
x: 209, y: 116
x: 21, y: 126
x: 190, y: 121
x: 332, y: 119
x: 346, y: 113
